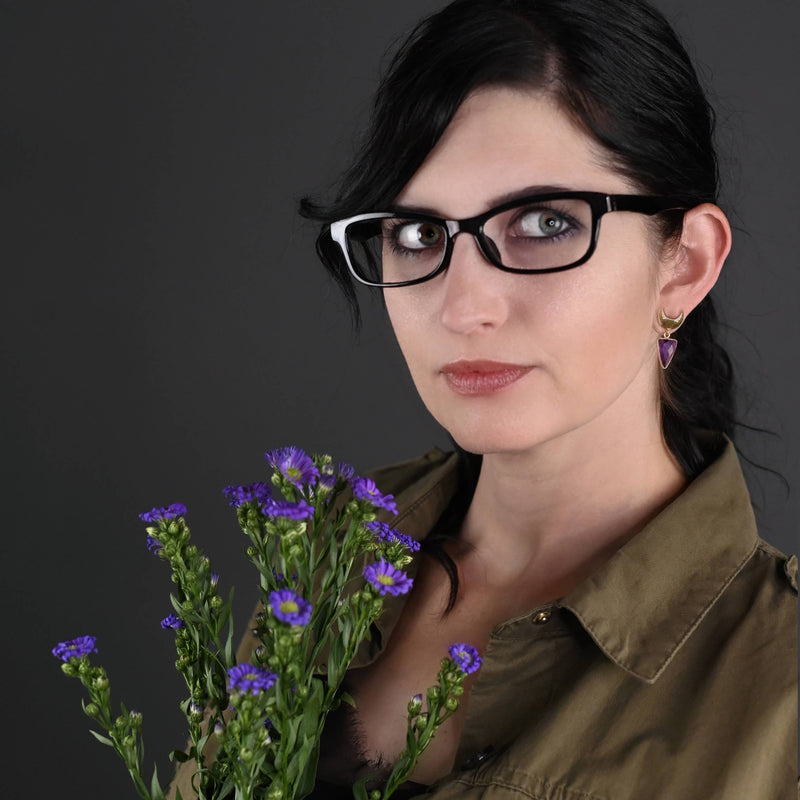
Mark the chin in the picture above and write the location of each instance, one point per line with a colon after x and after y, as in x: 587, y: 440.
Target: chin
x: 483, y: 440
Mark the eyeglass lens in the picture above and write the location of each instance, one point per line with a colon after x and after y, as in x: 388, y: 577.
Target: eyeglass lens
x: 543, y: 235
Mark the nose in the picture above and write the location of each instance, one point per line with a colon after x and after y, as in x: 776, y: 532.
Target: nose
x: 474, y: 297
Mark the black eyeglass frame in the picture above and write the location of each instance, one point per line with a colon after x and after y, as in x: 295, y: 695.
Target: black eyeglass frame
x: 599, y: 203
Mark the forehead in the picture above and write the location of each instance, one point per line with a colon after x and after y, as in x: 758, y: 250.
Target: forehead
x: 502, y: 141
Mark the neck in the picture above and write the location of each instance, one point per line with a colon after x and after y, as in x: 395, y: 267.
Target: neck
x: 549, y: 516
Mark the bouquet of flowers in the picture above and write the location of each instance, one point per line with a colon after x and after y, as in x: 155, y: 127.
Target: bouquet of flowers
x: 266, y: 716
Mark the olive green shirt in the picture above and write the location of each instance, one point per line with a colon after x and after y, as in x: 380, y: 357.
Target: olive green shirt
x: 670, y: 674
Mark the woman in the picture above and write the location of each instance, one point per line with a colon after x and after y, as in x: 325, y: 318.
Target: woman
x: 637, y: 635
x: 536, y: 199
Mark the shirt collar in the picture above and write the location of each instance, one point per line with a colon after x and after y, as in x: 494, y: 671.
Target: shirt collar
x: 648, y: 598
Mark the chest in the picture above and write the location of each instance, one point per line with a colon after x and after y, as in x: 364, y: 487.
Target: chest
x: 410, y: 662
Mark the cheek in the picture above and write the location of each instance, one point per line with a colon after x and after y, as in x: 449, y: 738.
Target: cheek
x: 407, y: 313
x: 596, y: 321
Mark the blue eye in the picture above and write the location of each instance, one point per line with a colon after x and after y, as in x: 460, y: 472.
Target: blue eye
x: 540, y: 223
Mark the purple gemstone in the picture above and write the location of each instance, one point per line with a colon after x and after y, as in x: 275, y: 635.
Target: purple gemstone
x: 666, y: 350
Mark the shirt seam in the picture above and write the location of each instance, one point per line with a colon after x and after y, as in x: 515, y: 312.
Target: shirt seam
x: 514, y: 787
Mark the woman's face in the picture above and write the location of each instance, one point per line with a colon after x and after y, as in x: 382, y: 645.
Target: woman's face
x: 507, y: 361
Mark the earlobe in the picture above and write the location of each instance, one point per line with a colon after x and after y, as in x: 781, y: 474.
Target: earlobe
x: 692, y: 269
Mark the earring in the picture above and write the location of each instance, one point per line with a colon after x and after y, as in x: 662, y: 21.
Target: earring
x: 667, y: 346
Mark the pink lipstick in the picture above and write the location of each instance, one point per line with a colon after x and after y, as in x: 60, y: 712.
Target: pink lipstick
x: 474, y: 378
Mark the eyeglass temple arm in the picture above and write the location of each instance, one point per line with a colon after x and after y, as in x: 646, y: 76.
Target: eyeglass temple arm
x: 642, y: 204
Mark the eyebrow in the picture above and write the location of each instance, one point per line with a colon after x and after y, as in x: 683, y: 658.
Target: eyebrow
x: 499, y: 200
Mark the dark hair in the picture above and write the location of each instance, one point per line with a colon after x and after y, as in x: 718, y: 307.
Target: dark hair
x: 621, y: 73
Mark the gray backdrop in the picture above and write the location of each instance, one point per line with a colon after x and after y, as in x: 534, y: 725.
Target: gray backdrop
x: 165, y: 321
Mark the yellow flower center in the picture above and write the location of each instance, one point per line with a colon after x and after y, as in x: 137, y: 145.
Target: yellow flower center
x: 289, y: 607
x: 293, y: 472
x: 386, y: 580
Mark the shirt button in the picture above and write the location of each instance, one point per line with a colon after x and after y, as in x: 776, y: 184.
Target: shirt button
x: 478, y: 758
x: 541, y: 617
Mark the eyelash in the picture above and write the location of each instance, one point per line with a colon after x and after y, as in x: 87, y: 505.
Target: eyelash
x: 405, y: 252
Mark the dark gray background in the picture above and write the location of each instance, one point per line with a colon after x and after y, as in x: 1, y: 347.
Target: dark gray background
x: 164, y: 319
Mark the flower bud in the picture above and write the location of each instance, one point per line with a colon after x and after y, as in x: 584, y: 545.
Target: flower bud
x: 216, y: 602
x: 219, y: 729
x: 251, y: 552
x: 295, y: 552
x: 375, y: 795
x: 457, y: 691
x: 196, y: 712
x: 101, y: 682
x: 422, y: 721
x: 434, y: 693
x: 246, y: 754
x: 91, y: 709
x: 69, y: 669
x: 451, y: 704
x: 415, y: 705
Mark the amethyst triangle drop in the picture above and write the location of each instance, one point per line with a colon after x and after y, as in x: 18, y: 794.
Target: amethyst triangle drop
x: 666, y: 350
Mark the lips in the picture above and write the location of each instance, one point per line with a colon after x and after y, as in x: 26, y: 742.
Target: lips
x: 482, y: 377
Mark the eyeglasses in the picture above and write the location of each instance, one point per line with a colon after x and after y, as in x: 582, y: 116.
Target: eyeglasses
x: 535, y: 234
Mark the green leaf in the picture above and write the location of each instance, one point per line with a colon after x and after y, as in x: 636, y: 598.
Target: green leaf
x: 156, y: 792
x: 179, y: 756
x: 103, y: 739
x: 360, y: 789
x: 308, y: 776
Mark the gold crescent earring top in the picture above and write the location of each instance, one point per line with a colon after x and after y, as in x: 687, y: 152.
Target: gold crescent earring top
x: 670, y: 324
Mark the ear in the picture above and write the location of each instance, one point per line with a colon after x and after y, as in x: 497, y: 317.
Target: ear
x: 689, y: 271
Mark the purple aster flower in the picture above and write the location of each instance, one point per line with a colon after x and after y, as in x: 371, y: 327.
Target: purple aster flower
x: 466, y: 657
x: 327, y: 481
x: 386, y: 578
x: 345, y: 471
x: 290, y: 607
x: 247, y: 678
x: 293, y: 464
x: 153, y: 545
x: 75, y: 648
x: 171, y: 621
x: 365, y: 489
x: 385, y: 533
x: 164, y: 513
x: 283, y: 508
x: 258, y: 492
